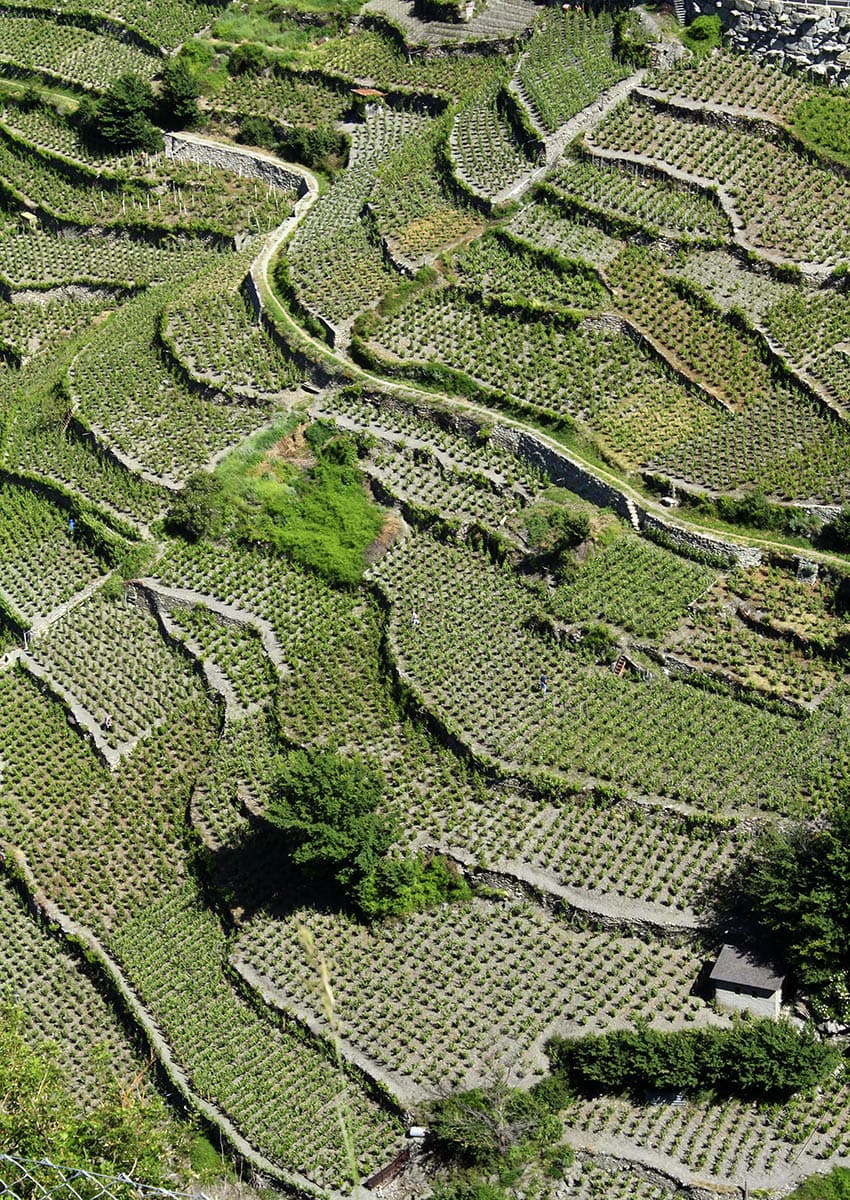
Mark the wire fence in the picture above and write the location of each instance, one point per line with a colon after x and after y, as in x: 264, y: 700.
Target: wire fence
x: 41, y: 1179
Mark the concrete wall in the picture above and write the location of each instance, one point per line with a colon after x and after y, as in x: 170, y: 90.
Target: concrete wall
x: 759, y: 1006
x: 813, y: 37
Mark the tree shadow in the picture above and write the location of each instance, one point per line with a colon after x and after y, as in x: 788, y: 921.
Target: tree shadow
x: 256, y: 875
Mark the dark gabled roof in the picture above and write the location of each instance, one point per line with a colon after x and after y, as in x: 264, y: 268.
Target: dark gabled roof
x: 743, y: 969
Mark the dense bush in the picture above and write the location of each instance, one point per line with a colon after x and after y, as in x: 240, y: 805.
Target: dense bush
x: 703, y: 35
x: 321, y: 146
x: 321, y: 515
x: 554, y: 529
x: 489, y: 1127
x: 398, y: 886
x: 247, y: 59
x: 327, y: 808
x: 837, y: 532
x: 122, y: 116
x: 835, y: 1186
x: 795, y: 885
x: 257, y: 131
x: 198, y: 510
x: 125, y: 1131
x: 766, y: 1060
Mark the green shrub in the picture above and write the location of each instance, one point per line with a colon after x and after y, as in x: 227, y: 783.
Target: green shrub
x: 837, y: 531
x: 247, y: 59
x: 493, y: 1127
x: 703, y: 35
x: 197, y: 511
x: 321, y: 515
x: 124, y: 1131
x: 759, y: 1060
x: 835, y: 1186
x: 399, y: 886
x: 257, y: 131
x: 321, y: 147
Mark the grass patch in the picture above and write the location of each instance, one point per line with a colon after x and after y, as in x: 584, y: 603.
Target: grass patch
x: 702, y: 35
x: 299, y: 491
x: 205, y: 1160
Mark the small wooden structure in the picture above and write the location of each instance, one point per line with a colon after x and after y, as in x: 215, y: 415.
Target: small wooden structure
x: 745, y: 983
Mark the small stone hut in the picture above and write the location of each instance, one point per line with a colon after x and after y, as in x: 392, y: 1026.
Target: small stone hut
x: 744, y: 983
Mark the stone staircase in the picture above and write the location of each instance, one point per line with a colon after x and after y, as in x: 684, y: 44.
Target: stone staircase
x: 634, y: 515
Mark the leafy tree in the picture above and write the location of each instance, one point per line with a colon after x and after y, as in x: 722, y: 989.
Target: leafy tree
x: 180, y: 92
x: 326, y: 806
x: 795, y: 886
x: 124, y: 115
x: 327, y: 809
x: 197, y: 511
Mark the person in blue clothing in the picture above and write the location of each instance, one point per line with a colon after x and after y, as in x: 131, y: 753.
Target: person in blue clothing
x: 72, y: 525
x: 544, y: 684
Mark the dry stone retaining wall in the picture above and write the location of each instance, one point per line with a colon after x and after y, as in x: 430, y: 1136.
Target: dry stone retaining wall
x: 231, y: 158
x: 812, y: 37
x: 566, y: 473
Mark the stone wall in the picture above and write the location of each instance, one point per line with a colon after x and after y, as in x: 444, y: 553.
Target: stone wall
x: 745, y: 556
x: 566, y: 473
x: 562, y: 470
x: 230, y: 158
x: 812, y: 37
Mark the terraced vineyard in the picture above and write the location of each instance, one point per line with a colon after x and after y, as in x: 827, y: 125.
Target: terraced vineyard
x: 497, y: 454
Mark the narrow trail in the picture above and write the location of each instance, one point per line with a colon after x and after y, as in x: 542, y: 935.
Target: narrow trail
x: 346, y: 369
x: 555, y: 143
